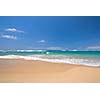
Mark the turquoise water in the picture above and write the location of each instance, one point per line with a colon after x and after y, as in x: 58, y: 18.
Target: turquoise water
x: 90, y: 58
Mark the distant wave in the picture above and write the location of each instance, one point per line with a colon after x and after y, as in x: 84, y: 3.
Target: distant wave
x: 67, y: 60
x: 30, y: 50
x: 23, y: 50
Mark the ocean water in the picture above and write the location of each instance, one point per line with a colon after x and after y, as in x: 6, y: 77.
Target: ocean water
x: 89, y: 58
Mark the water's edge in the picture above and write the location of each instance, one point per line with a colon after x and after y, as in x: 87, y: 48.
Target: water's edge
x: 66, y: 61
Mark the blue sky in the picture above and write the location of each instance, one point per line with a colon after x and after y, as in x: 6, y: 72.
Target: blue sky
x: 51, y: 32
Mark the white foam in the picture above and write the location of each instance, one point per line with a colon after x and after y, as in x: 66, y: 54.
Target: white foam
x: 67, y: 61
x: 23, y: 50
x: 30, y: 50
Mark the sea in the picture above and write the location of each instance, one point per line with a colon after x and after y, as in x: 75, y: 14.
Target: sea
x: 88, y: 58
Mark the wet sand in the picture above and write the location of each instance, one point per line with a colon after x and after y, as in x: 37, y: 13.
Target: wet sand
x: 27, y: 71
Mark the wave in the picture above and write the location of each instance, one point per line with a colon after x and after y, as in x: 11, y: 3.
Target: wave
x: 67, y: 60
x: 22, y: 50
x: 30, y: 50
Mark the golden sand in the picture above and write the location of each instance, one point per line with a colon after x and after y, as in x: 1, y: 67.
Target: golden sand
x: 37, y: 71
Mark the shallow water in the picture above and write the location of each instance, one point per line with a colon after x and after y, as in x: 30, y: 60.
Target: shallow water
x: 90, y: 58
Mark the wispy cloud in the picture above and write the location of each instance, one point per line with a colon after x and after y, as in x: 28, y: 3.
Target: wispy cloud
x: 93, y: 47
x: 8, y: 37
x: 55, y: 48
x: 14, y: 30
x: 41, y: 41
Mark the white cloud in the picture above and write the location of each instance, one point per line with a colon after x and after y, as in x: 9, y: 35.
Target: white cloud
x: 93, y: 47
x: 8, y: 37
x: 14, y: 30
x: 41, y: 41
x: 54, y: 48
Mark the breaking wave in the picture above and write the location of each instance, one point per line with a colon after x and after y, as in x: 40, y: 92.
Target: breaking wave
x: 78, y: 61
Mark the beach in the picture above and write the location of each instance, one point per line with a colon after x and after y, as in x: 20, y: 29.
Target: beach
x: 30, y: 71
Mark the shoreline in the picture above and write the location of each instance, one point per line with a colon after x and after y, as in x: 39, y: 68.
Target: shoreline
x: 49, y: 62
x: 30, y: 71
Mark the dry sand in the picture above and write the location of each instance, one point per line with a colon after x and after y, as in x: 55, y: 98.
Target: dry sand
x: 38, y: 71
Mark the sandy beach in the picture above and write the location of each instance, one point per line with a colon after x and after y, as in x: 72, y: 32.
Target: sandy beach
x: 28, y: 71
